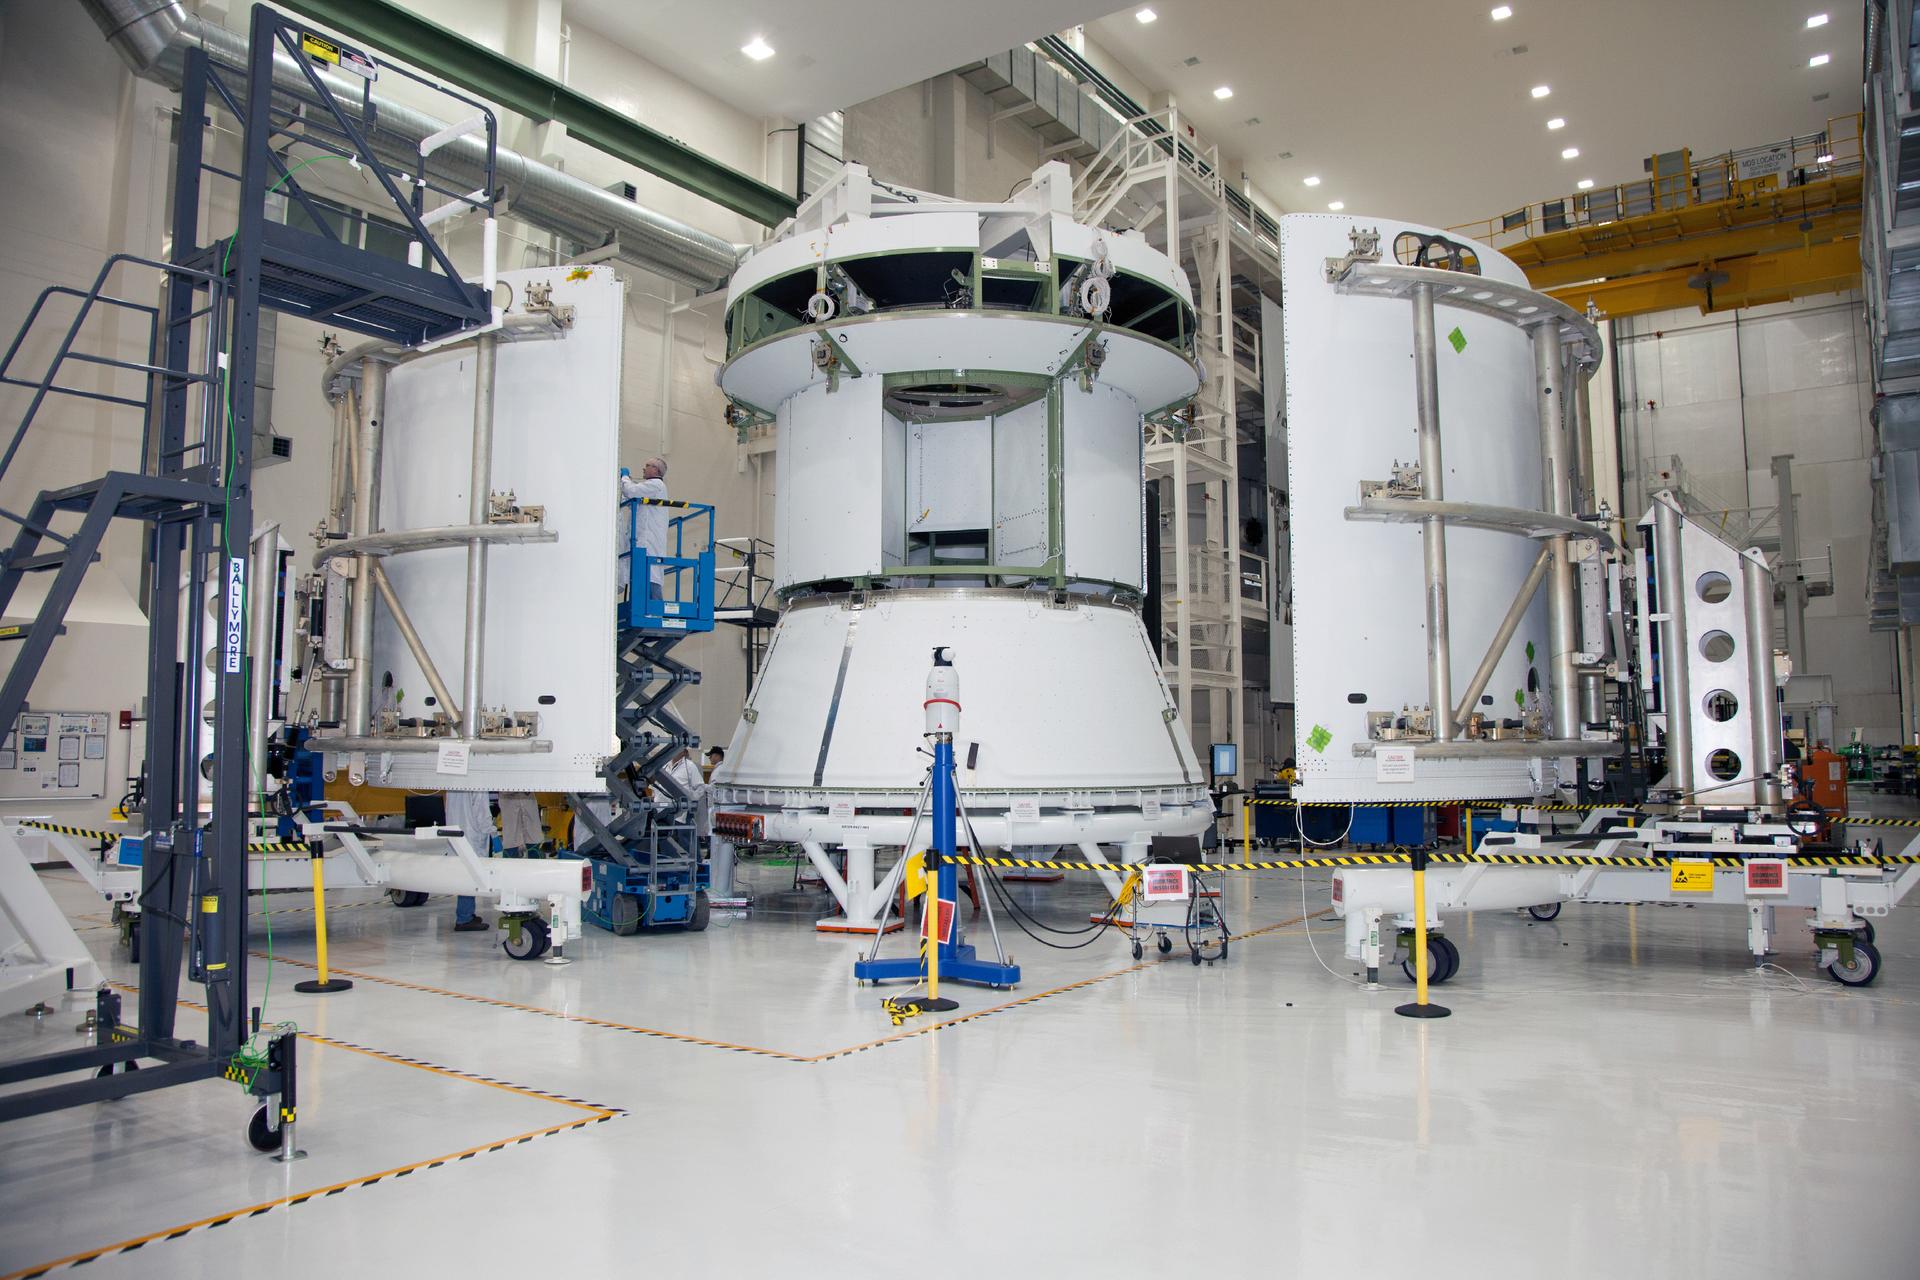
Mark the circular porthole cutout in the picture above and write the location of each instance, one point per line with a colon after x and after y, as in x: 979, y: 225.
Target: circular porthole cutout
x: 1713, y: 587
x: 1716, y: 646
x: 1723, y: 765
x: 1720, y: 706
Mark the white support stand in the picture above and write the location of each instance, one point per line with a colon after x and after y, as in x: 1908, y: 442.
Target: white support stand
x: 41, y: 957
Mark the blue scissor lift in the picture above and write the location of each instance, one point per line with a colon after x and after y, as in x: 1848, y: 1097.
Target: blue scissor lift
x: 647, y: 863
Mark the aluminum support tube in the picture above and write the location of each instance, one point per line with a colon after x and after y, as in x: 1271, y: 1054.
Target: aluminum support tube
x: 1796, y: 582
x: 1502, y: 637
x: 351, y: 744
x: 153, y: 37
x: 1676, y: 695
x: 338, y: 490
x: 260, y: 599
x: 479, y: 495
x: 417, y: 647
x: 1580, y: 394
x: 366, y: 504
x: 1433, y: 530
x: 1763, y: 717
x: 1557, y: 499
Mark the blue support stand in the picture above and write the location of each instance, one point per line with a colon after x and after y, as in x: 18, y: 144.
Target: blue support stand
x: 958, y: 963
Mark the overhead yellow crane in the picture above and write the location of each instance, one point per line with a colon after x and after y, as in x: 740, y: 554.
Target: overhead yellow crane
x: 1713, y: 235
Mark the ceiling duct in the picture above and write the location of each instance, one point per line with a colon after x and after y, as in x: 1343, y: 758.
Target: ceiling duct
x: 153, y: 37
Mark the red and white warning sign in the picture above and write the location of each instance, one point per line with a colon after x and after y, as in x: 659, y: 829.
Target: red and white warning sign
x: 1766, y: 877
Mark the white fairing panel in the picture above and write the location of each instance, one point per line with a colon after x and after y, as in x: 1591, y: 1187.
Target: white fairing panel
x: 1101, y: 444
x: 1358, y: 612
x: 830, y: 482
x: 1055, y: 697
x: 549, y: 630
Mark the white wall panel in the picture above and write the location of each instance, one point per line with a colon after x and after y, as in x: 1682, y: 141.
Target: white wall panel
x: 1101, y: 441
x: 831, y: 486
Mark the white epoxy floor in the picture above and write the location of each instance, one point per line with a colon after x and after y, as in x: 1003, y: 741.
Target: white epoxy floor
x: 1617, y: 1093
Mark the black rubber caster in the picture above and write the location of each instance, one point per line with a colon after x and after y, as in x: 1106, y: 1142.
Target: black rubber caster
x: 263, y: 1136
x: 1863, y: 930
x: 530, y: 941
x: 1548, y: 911
x: 406, y: 898
x: 1443, y: 960
x: 1864, y: 969
x: 1138, y: 951
x: 702, y: 912
x: 1165, y: 944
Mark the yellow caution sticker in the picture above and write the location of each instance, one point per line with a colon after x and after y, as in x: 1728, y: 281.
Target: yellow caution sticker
x: 1691, y: 875
x: 319, y: 50
x: 916, y: 876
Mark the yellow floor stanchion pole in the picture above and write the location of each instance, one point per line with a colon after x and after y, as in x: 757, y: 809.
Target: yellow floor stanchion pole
x: 1420, y: 1008
x: 1246, y: 829
x: 326, y: 982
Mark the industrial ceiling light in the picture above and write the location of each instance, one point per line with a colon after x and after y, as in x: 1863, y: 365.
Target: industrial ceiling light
x: 1571, y: 153
x: 1223, y: 92
x: 1557, y: 123
x: 1502, y: 13
x: 757, y: 49
x: 1817, y: 20
x: 1144, y: 16
x: 1337, y: 205
x: 1312, y: 180
x: 1585, y: 184
x: 1542, y: 90
x: 1823, y: 159
x: 1819, y: 60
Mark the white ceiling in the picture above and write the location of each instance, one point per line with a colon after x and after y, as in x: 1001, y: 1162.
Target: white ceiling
x: 1420, y: 109
x: 828, y: 54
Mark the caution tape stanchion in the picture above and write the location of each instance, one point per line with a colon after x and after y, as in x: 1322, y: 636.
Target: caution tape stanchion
x: 326, y: 982
x: 1421, y: 1008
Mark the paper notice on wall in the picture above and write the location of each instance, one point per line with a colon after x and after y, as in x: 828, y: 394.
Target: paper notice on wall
x: 453, y: 758
x: 1393, y: 764
x: 1025, y: 809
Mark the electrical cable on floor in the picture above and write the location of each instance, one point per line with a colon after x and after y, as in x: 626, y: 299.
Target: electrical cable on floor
x: 1015, y: 911
x: 1307, y: 921
x: 1300, y: 829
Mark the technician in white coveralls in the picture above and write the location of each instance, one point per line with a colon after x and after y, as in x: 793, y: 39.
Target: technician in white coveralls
x: 650, y: 524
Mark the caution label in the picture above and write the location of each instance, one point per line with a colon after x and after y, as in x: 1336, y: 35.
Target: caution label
x: 1690, y: 875
x: 345, y: 57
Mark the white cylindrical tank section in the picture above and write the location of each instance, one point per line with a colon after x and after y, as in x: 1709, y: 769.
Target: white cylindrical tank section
x: 959, y: 464
x: 1389, y: 327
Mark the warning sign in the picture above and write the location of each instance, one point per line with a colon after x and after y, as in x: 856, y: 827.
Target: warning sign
x: 1766, y: 877
x: 1690, y: 875
x: 945, y: 914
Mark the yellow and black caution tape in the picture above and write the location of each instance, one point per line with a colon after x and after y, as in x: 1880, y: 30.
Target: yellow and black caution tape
x: 1878, y: 822
x: 277, y: 846
x: 1437, y: 804
x: 1456, y: 859
x: 85, y: 833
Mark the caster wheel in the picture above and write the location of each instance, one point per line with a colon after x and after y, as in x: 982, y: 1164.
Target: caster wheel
x: 1138, y: 951
x: 1863, y: 929
x: 1450, y: 956
x: 532, y: 941
x: 1196, y: 958
x: 702, y: 912
x: 1864, y: 969
x: 262, y: 1136
x: 1551, y: 911
x: 406, y: 898
x: 1437, y: 970
x: 1165, y: 944
x: 133, y: 941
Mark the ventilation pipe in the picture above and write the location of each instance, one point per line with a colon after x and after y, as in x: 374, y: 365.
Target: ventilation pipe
x: 153, y: 37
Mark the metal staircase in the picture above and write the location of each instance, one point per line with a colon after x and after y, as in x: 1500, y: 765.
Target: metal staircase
x: 193, y: 495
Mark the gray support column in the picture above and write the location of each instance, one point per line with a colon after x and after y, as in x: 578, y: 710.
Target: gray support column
x: 1795, y: 580
x: 1433, y: 531
x: 479, y: 491
x: 366, y: 504
x: 1676, y: 694
x: 1557, y: 499
x: 1764, y: 715
x: 1502, y: 637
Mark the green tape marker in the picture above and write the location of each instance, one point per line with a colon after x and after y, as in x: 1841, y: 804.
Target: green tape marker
x: 1319, y: 738
x: 1458, y: 340
x: 1529, y: 652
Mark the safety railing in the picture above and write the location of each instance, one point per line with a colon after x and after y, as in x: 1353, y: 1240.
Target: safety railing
x: 1749, y: 175
x: 161, y: 379
x: 682, y: 598
x: 743, y: 575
